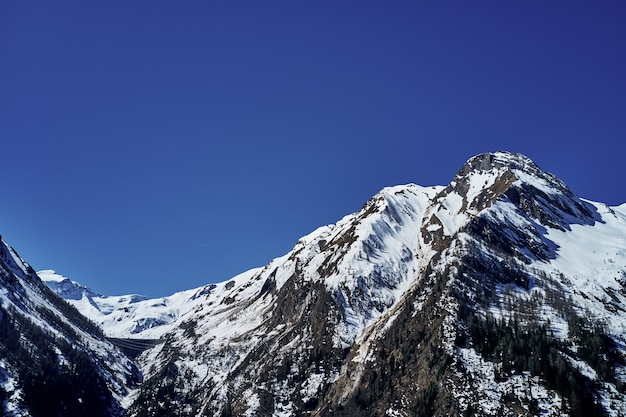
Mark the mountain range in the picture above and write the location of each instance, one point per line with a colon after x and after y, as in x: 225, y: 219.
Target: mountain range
x: 502, y: 293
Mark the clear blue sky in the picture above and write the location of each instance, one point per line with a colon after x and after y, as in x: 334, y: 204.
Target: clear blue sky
x: 155, y: 146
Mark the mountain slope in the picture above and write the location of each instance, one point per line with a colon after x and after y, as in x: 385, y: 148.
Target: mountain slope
x: 503, y: 328
x: 483, y: 297
x: 299, y: 306
x: 53, y: 361
x: 125, y: 316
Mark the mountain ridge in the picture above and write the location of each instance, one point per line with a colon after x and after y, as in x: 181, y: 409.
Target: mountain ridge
x: 493, y: 295
x: 53, y: 359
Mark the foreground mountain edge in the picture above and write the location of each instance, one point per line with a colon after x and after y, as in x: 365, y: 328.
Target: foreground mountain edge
x: 500, y: 294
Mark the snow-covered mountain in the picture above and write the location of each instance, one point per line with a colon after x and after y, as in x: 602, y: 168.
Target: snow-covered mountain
x: 53, y: 361
x: 125, y: 316
x: 502, y: 293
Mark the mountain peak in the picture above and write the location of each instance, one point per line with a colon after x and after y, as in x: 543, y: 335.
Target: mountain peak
x: 499, y: 160
x: 508, y: 178
x: 63, y: 286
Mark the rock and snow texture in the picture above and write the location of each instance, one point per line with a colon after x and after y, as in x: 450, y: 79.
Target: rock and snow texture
x: 125, y: 316
x: 285, y: 328
x: 502, y: 293
x: 52, y: 359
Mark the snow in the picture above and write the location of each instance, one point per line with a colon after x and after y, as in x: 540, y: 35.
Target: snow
x: 134, y: 316
x: 311, y: 386
x: 9, y: 383
x: 49, y: 275
x: 592, y: 261
x: 538, y: 183
x: 391, y: 412
x: 479, y: 181
x: 452, y: 217
x: 390, y: 238
x: 488, y: 394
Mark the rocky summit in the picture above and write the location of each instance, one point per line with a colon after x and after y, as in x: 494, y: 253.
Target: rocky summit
x: 500, y: 294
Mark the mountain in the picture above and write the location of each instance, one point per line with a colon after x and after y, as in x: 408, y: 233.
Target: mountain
x: 500, y: 294
x: 53, y: 361
x: 125, y: 316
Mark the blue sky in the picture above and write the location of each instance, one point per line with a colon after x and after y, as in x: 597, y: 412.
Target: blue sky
x: 151, y: 147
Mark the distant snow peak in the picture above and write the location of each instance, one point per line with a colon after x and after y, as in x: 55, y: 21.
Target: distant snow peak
x: 125, y: 316
x: 65, y: 287
x: 50, y: 275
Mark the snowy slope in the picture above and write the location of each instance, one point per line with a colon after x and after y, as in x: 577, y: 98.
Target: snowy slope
x: 557, y: 261
x: 125, y: 316
x: 354, y: 271
x: 44, y: 339
x: 591, y: 261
